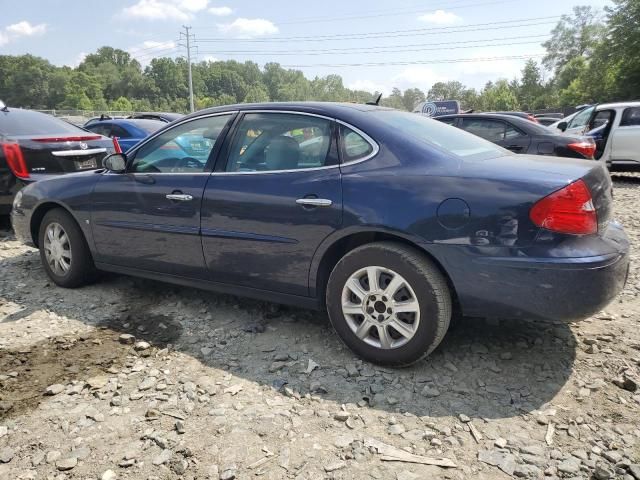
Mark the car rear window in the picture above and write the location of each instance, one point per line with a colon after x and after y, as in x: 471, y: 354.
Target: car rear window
x: 26, y: 122
x: 149, y: 126
x: 449, y: 138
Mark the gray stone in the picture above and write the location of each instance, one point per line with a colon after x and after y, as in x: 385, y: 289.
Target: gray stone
x: 527, y: 471
x: 139, y: 346
x: 147, y: 383
x: 503, y: 460
x: 634, y: 470
x: 464, y: 418
x: 332, y: 467
x: 570, y: 466
x: 180, y: 427
x: 341, y: 416
x: 406, y: 475
x: 603, y: 472
x: 343, y: 441
x: 533, y: 449
x: 67, y: 463
x: 613, y: 456
x: 430, y: 392
x: 109, y: 475
x: 6, y: 455
x: 127, y: 339
x: 52, y: 456
x: 54, y: 389
x: 228, y: 474
x: 396, y: 429
x: 162, y: 458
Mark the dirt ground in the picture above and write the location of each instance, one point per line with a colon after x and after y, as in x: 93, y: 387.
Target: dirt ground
x: 135, y: 379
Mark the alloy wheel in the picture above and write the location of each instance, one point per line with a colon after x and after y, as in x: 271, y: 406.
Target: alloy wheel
x: 380, y: 307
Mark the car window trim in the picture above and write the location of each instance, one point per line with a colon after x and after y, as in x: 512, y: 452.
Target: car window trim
x: 219, y: 169
x: 211, y: 162
x: 622, y: 117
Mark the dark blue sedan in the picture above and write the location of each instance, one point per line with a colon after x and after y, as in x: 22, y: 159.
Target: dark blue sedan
x: 391, y: 221
x: 128, y: 131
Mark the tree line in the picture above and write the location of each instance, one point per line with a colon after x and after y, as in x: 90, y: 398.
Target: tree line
x: 592, y: 56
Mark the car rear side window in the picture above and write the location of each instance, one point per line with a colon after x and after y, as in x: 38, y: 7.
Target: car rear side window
x: 630, y: 117
x: 491, y: 130
x: 118, y: 131
x: 27, y: 122
x: 281, y: 141
x: 353, y: 145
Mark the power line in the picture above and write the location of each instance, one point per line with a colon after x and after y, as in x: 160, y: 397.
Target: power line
x: 418, y: 62
x: 391, y: 13
x: 391, y: 48
x: 157, y: 53
x: 160, y: 45
x: 397, y: 33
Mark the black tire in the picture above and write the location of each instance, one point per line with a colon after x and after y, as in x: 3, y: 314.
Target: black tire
x: 429, y: 287
x: 81, y: 270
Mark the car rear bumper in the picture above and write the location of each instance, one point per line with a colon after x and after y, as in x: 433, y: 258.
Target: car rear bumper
x: 551, y: 288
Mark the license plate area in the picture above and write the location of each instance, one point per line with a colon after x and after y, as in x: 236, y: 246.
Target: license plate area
x: 86, y: 164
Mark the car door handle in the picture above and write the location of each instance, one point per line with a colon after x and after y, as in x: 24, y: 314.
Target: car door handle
x: 179, y: 197
x: 515, y: 148
x: 314, y: 202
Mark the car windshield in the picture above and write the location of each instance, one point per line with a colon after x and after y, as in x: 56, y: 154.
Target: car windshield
x: 451, y: 139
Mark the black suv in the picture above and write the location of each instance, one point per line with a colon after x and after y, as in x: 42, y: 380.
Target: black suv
x: 35, y: 145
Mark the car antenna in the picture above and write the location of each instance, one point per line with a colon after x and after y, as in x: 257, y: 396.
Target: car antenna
x: 377, y: 102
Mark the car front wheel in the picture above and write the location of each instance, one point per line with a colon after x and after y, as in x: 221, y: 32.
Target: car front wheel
x: 63, y: 250
x: 389, y: 303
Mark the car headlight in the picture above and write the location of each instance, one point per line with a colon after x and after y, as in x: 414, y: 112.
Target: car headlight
x: 17, y: 200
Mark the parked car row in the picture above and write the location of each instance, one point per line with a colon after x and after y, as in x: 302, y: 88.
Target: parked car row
x: 35, y: 146
x: 390, y: 221
x: 521, y: 135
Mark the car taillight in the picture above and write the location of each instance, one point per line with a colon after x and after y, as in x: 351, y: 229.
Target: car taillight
x: 568, y: 210
x: 15, y: 159
x: 84, y: 138
x: 586, y: 147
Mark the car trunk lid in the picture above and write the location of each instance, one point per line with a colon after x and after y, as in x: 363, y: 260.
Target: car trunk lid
x: 56, y: 154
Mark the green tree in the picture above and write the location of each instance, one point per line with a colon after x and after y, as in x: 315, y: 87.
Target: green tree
x: 121, y: 104
x: 574, y: 36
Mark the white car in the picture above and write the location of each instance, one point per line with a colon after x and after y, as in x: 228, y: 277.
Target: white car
x: 616, y: 129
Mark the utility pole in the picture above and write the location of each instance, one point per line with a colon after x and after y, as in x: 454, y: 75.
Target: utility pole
x: 188, y: 37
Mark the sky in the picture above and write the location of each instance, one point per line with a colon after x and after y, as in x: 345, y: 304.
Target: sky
x: 373, y: 45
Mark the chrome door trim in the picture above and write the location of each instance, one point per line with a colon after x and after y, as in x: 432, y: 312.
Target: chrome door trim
x: 314, y: 202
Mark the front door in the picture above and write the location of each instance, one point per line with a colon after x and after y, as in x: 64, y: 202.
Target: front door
x: 269, y: 206
x: 149, y: 217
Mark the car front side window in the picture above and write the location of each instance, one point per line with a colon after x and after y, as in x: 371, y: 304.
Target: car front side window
x: 582, y: 118
x: 631, y: 117
x: 281, y: 141
x: 186, y: 148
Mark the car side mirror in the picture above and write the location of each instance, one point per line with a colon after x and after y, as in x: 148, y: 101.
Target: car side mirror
x: 562, y: 126
x: 116, y: 163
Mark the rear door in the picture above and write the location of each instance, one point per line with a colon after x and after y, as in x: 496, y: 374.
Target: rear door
x: 625, y: 142
x: 268, y: 207
x: 149, y: 217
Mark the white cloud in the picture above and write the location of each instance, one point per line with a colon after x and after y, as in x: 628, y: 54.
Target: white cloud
x: 181, y: 10
x: 440, y: 17
x: 248, y: 27
x: 80, y: 58
x: 21, y: 29
x: 209, y: 58
x: 220, y: 11
x: 25, y: 29
x: 369, y: 86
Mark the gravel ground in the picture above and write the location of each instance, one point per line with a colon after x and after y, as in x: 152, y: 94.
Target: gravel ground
x: 134, y: 379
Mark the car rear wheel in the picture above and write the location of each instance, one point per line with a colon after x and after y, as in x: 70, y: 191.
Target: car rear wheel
x: 389, y: 303
x: 63, y: 250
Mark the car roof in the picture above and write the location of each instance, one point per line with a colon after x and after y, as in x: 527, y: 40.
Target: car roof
x: 618, y: 105
x: 325, y: 108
